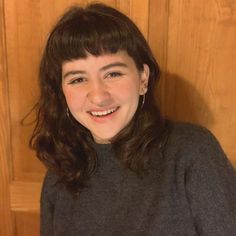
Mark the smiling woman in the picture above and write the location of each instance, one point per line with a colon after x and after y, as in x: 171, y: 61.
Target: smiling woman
x: 115, y: 165
x: 102, y: 92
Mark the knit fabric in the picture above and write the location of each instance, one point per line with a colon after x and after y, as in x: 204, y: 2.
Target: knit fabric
x: 190, y: 190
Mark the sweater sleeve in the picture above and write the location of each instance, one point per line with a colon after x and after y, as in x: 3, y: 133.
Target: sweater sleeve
x: 47, y: 203
x: 211, y: 189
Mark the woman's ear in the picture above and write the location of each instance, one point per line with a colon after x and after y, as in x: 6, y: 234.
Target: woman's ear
x: 144, y: 77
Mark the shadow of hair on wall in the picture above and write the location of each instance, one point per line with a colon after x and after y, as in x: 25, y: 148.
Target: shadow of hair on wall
x: 182, y: 101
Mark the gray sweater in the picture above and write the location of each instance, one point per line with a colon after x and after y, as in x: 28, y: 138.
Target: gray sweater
x: 190, y: 190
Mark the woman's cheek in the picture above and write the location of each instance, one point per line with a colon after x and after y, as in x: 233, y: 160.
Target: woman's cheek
x: 74, y: 98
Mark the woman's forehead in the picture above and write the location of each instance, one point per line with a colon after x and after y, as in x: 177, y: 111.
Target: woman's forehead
x: 101, y: 62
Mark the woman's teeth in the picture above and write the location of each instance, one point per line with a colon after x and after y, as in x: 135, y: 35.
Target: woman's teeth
x: 103, y: 113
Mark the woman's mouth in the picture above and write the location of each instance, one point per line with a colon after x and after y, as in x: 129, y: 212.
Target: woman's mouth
x: 103, y: 113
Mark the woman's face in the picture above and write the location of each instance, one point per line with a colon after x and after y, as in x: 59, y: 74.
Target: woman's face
x: 102, y: 92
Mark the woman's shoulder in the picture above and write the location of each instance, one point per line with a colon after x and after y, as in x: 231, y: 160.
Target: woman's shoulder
x: 50, y: 186
x: 51, y: 178
x: 188, y: 142
x: 183, y: 134
x: 185, y: 130
x: 194, y: 150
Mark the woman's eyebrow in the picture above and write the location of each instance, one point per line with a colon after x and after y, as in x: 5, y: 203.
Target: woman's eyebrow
x: 121, y: 64
x: 73, y: 72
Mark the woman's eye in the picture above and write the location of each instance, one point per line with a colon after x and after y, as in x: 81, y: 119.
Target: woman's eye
x: 114, y: 75
x: 77, y: 80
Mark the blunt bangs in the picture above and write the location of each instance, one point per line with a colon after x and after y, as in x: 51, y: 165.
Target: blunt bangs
x: 94, y: 30
x: 90, y: 32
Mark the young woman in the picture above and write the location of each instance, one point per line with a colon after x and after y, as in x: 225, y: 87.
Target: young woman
x: 115, y: 165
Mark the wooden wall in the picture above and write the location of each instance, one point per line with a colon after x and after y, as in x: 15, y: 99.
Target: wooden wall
x: 194, y: 42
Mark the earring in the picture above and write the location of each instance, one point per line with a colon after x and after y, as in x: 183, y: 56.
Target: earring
x: 143, y: 101
x: 67, y: 112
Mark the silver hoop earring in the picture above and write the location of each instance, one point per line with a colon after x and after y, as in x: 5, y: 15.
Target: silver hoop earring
x: 67, y: 112
x: 143, y: 100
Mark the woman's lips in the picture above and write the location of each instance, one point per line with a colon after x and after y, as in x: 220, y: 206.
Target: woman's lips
x: 103, y: 113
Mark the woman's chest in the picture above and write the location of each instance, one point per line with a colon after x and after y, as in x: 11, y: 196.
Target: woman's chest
x: 126, y: 206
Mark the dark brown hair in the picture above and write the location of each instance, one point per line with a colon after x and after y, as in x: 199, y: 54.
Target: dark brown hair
x: 64, y: 145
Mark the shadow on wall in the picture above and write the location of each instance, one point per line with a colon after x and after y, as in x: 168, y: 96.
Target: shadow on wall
x: 181, y: 101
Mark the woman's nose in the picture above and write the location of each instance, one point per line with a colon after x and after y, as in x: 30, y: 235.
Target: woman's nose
x: 99, y: 94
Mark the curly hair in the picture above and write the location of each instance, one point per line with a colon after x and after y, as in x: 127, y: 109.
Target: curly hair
x: 63, y: 144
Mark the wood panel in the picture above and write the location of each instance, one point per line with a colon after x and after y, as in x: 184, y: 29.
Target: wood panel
x: 25, y: 196
x: 158, y: 40
x: 6, y: 224
x: 27, y: 224
x: 139, y: 13
x: 24, y: 43
x: 200, y: 75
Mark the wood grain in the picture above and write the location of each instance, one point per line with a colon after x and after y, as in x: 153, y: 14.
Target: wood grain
x: 24, y: 43
x: 201, y: 65
x: 140, y: 15
x: 27, y: 224
x: 138, y: 11
x: 6, y: 224
x: 158, y: 40
x: 25, y: 196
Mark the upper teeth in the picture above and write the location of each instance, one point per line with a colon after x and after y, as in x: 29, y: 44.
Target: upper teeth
x: 102, y: 113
